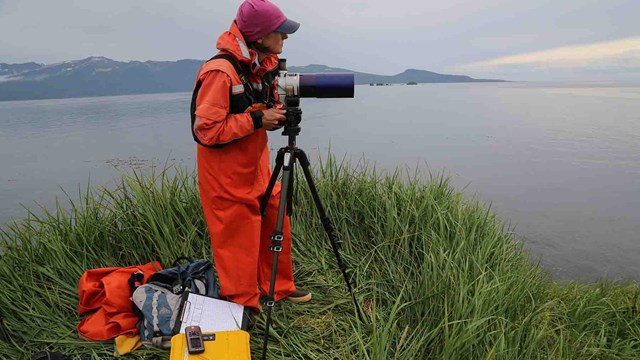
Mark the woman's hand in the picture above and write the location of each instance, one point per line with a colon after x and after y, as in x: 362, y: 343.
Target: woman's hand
x: 272, y: 117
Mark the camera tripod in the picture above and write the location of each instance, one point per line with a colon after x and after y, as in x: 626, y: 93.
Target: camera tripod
x: 285, y: 162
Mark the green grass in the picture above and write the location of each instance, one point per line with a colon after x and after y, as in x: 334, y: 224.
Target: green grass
x: 436, y: 274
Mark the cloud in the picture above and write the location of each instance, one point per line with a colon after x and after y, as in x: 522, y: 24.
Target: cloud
x: 623, y: 53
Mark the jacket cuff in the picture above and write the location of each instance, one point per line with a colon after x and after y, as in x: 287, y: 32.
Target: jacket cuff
x: 256, y: 117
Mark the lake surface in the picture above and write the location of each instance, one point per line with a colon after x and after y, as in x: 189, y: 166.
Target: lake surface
x: 559, y: 162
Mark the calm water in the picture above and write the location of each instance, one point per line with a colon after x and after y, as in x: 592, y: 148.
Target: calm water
x: 561, y: 163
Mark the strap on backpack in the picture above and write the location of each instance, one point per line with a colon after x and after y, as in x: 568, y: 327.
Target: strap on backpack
x: 176, y: 262
x: 248, y: 89
x: 161, y: 342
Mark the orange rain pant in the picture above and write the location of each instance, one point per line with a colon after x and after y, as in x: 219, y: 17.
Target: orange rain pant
x: 232, y: 181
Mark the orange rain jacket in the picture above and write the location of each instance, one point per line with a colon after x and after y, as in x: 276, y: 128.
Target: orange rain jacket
x: 104, y: 296
x: 233, y: 178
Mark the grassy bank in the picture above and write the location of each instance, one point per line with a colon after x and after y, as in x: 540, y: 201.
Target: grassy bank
x: 436, y: 274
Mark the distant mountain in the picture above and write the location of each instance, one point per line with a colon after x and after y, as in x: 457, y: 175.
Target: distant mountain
x: 418, y: 76
x: 100, y: 76
x: 7, y: 70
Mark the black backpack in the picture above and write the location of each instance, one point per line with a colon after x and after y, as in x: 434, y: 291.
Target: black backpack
x: 196, y: 276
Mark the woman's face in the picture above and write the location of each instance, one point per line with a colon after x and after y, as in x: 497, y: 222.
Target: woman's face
x: 273, y: 42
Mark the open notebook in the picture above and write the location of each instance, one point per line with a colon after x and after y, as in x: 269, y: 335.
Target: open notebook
x: 210, y: 314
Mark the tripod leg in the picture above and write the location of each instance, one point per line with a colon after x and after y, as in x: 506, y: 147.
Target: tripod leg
x: 291, y: 189
x: 327, y: 224
x: 272, y: 181
x: 276, y: 239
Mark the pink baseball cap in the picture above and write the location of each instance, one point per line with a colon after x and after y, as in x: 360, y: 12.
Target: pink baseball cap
x: 259, y: 18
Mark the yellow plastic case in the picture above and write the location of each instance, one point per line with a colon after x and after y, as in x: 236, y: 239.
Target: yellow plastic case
x: 225, y: 345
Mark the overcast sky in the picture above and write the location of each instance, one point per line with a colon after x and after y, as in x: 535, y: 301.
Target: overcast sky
x: 514, y: 39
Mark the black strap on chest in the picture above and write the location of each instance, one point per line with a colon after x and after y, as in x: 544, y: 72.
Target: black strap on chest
x: 248, y: 90
x: 267, y: 81
x: 242, y: 74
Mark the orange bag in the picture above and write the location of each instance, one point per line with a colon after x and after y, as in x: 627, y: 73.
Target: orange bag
x: 105, y: 295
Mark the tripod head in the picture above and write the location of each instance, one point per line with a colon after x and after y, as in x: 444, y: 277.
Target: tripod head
x: 292, y: 125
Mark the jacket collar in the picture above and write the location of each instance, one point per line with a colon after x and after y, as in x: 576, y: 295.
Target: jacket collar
x: 232, y: 42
